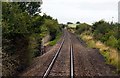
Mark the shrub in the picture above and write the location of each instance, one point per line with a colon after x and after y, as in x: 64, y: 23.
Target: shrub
x: 118, y: 45
x: 112, y: 41
x: 82, y: 27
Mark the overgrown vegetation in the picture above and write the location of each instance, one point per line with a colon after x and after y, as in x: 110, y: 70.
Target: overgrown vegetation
x: 22, y: 32
x: 107, y: 33
x: 51, y: 43
x: 105, y: 36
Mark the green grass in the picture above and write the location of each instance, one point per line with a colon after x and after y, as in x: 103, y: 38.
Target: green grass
x: 52, y: 43
x: 106, y: 56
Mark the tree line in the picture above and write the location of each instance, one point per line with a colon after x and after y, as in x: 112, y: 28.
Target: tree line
x: 22, y: 32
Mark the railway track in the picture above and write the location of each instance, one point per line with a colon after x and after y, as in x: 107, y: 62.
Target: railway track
x: 53, y: 61
x: 71, y: 61
x: 56, y: 56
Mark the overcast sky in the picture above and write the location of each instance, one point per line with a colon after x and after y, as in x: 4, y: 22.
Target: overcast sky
x: 87, y: 11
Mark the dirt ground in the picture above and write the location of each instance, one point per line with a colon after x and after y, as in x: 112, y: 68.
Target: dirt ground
x: 87, y: 61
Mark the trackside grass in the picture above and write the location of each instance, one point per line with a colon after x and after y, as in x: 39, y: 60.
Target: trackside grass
x: 111, y: 55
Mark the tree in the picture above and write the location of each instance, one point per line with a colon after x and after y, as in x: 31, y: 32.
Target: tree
x: 53, y: 27
x: 17, y: 27
x: 21, y: 34
x: 101, y: 29
x: 30, y: 7
x: 77, y: 22
x: 69, y: 23
x: 82, y: 27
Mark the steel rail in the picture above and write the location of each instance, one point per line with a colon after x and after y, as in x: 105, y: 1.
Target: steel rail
x: 53, y: 60
x: 71, y: 61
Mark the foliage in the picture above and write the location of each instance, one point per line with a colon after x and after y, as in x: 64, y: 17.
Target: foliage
x: 82, y: 27
x: 55, y: 40
x: 112, y: 41
x: 118, y: 44
x: 22, y: 32
x: 69, y: 23
x: 52, y: 26
x: 100, y: 29
x: 30, y: 7
x: 63, y: 25
x: 108, y: 33
x: 77, y: 22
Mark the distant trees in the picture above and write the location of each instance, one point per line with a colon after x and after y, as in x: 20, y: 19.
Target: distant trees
x: 69, y: 23
x: 63, y: 25
x: 77, y: 22
x: 82, y: 27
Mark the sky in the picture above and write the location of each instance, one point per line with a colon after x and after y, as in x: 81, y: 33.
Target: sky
x: 88, y: 11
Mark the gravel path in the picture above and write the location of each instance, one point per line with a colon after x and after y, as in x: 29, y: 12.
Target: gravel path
x: 62, y: 64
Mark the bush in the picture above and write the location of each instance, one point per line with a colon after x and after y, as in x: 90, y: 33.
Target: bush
x: 91, y: 43
x: 52, y: 27
x: 118, y: 45
x: 18, y: 52
x: 22, y: 33
x: 104, y: 38
x: 112, y: 41
x: 17, y: 28
x: 82, y: 27
x: 55, y: 40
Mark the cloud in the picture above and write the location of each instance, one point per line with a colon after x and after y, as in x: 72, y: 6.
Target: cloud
x: 81, y: 10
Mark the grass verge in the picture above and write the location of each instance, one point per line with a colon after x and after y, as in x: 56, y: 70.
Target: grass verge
x: 111, y: 55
